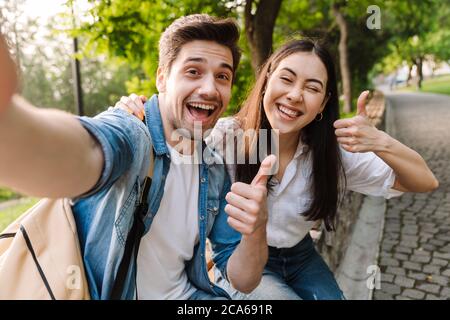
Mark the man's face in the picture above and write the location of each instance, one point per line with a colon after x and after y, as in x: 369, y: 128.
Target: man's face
x: 197, y: 88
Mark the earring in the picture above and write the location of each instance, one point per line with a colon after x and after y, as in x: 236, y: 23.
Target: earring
x: 321, y: 117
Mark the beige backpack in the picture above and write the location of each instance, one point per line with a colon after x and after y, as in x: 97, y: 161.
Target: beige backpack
x: 40, y: 256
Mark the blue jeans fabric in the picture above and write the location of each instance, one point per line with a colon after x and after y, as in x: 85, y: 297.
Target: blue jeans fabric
x: 203, y: 295
x: 297, y: 273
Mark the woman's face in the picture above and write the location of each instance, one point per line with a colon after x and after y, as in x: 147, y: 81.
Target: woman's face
x: 295, y: 92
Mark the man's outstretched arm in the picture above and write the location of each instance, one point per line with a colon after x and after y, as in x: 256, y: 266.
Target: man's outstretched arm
x: 43, y: 152
x: 8, y: 75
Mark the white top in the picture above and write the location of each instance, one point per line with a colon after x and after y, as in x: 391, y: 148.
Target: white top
x: 174, y: 232
x: 365, y: 172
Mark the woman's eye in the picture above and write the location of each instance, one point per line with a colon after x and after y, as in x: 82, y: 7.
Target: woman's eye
x: 286, y: 79
x: 313, y: 89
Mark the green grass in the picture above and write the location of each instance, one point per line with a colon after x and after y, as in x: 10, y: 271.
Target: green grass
x: 6, y: 194
x: 438, y: 84
x: 10, y: 214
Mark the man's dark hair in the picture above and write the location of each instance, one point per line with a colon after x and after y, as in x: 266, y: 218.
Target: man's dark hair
x: 198, y: 27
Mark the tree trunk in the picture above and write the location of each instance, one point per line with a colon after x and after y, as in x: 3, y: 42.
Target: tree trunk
x: 259, y: 29
x: 343, y: 58
x: 419, y: 64
x: 408, y: 80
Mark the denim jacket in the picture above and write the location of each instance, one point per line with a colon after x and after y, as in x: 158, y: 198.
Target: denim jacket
x: 104, y: 215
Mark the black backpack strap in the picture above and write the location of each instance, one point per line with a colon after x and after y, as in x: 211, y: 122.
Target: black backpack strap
x: 134, y: 236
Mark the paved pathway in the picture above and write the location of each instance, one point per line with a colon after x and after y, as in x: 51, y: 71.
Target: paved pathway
x: 415, y: 248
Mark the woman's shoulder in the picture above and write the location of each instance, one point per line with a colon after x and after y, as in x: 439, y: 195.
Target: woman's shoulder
x: 222, y: 127
x: 220, y: 132
x: 227, y: 123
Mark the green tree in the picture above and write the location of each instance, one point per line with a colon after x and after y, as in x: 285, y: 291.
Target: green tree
x: 419, y: 28
x: 45, y: 63
x: 130, y: 30
x: 260, y: 17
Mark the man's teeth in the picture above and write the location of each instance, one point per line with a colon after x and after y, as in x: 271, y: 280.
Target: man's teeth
x: 202, y: 106
x: 289, y: 112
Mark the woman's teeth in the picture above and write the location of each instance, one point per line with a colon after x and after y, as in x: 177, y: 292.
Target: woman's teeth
x: 289, y: 112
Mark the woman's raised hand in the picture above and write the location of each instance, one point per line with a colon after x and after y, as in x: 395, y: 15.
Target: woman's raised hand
x: 357, y: 134
x: 133, y: 104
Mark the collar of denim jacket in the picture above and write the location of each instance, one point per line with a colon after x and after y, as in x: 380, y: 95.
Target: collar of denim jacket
x: 155, y: 125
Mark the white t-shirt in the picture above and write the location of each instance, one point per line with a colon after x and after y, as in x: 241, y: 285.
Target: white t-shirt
x: 173, y: 234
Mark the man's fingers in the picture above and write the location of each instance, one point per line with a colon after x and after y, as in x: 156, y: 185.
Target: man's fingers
x: 361, y: 104
x: 265, y: 171
x: 242, y: 203
x: 237, y: 214
x: 247, y: 191
x: 239, y: 226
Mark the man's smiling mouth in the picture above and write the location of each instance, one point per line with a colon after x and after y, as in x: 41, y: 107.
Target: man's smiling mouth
x: 201, y: 110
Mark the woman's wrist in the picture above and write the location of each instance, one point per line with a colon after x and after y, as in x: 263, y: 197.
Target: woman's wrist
x: 385, y: 143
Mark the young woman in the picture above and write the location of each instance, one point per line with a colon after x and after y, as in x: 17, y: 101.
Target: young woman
x: 319, y: 157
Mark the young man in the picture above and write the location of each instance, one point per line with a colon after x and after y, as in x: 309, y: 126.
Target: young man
x: 100, y: 163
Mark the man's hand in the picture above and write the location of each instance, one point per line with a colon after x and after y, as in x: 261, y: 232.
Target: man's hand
x: 357, y: 134
x: 133, y: 104
x: 246, y: 206
x: 8, y: 76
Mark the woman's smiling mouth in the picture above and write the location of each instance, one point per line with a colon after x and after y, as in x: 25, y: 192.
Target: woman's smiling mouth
x: 288, y: 113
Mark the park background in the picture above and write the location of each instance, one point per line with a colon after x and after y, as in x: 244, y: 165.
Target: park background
x: 82, y: 56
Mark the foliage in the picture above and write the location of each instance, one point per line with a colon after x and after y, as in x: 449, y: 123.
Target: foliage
x: 7, y: 194
x: 120, y: 43
x: 419, y: 29
x: 130, y: 31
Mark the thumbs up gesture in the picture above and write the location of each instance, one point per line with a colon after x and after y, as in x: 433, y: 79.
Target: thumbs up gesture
x: 361, y: 104
x: 246, y: 208
x: 357, y: 134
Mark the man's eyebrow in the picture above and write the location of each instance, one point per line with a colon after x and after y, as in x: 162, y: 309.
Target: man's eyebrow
x: 307, y: 80
x: 227, y: 66
x: 203, y: 60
